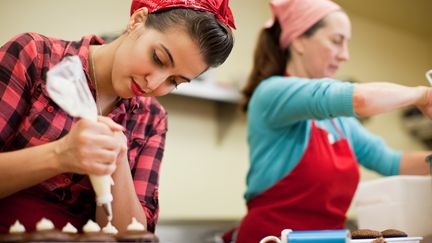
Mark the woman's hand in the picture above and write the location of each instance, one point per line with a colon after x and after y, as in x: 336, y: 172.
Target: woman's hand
x: 90, y: 147
x: 424, y: 103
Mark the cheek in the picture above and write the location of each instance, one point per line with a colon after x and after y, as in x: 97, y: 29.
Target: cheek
x: 120, y: 65
x: 326, y: 57
x: 331, y: 52
x: 141, y: 64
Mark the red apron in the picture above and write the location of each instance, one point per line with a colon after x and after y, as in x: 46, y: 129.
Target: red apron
x: 62, y: 199
x: 315, y: 195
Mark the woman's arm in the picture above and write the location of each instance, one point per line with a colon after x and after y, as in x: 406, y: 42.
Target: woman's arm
x: 282, y: 101
x: 374, y: 98
x: 135, y: 193
x: 125, y: 204
x: 89, y: 148
x: 413, y: 163
x: 27, y: 167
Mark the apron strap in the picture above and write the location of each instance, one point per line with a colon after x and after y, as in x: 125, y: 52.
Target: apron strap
x: 339, y: 131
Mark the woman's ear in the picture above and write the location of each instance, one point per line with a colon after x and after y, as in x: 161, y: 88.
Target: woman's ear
x: 138, y: 17
x: 297, y: 45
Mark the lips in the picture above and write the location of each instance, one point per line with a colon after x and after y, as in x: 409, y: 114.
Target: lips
x: 136, y: 89
x: 335, y: 67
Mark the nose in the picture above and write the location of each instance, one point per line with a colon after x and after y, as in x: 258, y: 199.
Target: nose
x: 156, y: 79
x: 344, y: 53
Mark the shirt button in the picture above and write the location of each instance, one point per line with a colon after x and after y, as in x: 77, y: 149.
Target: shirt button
x: 67, y: 180
x: 50, y: 109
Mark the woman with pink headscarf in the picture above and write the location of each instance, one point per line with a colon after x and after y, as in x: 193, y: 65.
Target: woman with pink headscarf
x: 305, y: 142
x: 46, y: 155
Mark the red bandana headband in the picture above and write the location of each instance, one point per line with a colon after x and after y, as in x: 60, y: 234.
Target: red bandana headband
x: 219, y: 8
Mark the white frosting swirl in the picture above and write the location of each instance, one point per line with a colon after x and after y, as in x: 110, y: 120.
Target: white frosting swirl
x: 110, y: 229
x: 135, y: 225
x: 69, y: 228
x: 91, y: 226
x: 17, y: 227
x: 44, y: 224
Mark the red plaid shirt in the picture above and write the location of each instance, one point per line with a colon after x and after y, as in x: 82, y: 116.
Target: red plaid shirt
x: 29, y: 117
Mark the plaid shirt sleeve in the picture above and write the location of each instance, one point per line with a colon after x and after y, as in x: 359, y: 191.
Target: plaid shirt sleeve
x: 18, y: 69
x: 147, y: 155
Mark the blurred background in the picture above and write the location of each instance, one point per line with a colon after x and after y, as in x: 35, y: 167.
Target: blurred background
x: 206, y: 159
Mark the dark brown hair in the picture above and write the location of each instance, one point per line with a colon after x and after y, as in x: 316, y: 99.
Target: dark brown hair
x: 269, y: 58
x: 214, y: 39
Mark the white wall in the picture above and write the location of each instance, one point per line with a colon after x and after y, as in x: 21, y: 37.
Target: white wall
x: 203, y: 177
x: 430, y: 52
x: 63, y: 19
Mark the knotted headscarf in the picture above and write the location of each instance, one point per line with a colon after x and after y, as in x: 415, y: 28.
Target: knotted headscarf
x: 297, y: 16
x: 219, y: 8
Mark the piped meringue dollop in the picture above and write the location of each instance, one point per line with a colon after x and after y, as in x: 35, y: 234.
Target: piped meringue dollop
x: 91, y: 226
x: 110, y: 229
x: 44, y: 224
x: 69, y: 228
x: 135, y: 225
x: 17, y: 227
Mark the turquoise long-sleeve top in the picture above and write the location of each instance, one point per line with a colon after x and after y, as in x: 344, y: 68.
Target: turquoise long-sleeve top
x: 279, y: 125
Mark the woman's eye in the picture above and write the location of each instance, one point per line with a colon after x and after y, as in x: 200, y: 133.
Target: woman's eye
x: 174, y: 82
x: 337, y: 41
x: 156, y: 59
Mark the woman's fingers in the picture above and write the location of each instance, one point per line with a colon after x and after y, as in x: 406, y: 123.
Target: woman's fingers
x: 110, y: 123
x: 92, y: 147
x: 108, y: 142
x: 97, y: 168
x: 103, y: 156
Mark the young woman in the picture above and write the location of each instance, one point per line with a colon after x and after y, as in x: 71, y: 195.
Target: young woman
x: 305, y: 142
x: 46, y: 154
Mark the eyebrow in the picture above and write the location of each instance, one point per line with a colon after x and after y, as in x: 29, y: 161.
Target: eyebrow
x: 343, y: 36
x: 172, y: 61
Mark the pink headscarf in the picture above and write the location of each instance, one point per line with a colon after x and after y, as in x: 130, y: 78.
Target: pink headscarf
x: 297, y: 16
x: 219, y: 8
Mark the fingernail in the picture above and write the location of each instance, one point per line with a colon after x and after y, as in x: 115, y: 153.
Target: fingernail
x: 120, y: 127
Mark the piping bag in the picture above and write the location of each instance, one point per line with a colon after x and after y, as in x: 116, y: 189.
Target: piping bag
x: 67, y: 86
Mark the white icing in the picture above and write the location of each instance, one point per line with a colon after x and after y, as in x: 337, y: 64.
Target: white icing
x: 91, y: 227
x: 69, y: 228
x: 44, y: 224
x: 110, y: 229
x: 135, y: 225
x: 17, y: 227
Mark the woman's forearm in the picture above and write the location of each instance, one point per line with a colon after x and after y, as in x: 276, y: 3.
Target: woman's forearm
x: 27, y: 167
x: 414, y: 163
x: 374, y: 98
x: 125, y: 204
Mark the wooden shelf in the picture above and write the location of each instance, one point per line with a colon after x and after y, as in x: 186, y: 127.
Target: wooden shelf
x: 209, y: 91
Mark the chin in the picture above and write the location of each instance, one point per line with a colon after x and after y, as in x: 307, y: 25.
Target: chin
x: 330, y: 74
x: 125, y: 94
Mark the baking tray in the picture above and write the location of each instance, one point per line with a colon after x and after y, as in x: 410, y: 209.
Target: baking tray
x: 395, y: 239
